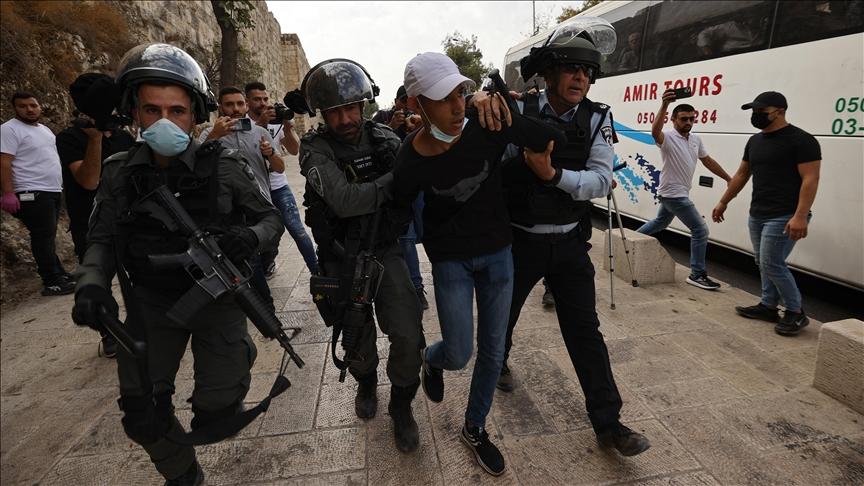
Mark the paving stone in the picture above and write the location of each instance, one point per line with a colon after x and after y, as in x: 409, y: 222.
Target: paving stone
x: 104, y: 437
x: 65, y: 368
x: 337, y: 479
x: 300, y: 299
x: 89, y: 470
x: 790, y: 418
x: 696, y: 478
x: 294, y: 410
x: 575, y: 458
x: 724, y: 451
x: 140, y: 470
x: 458, y: 466
x: 690, y: 393
x: 646, y: 361
x: 312, y: 328
x: 831, y: 460
x: 40, y: 428
x: 336, y: 404
x: 270, y: 458
x: 387, y: 465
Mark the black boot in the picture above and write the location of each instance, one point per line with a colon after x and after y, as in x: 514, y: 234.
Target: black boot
x: 192, y: 477
x: 405, y: 429
x: 366, y: 401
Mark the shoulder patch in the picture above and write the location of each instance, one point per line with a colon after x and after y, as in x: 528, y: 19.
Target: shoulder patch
x: 603, y: 106
x: 607, y: 135
x: 248, y: 171
x: 313, y: 177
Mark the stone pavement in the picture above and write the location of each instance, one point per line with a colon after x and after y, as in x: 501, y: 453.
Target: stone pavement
x: 723, y: 399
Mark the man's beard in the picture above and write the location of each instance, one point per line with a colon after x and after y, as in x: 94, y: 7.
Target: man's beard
x: 26, y: 119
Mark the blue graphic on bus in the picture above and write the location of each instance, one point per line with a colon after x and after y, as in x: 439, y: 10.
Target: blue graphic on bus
x: 639, y: 173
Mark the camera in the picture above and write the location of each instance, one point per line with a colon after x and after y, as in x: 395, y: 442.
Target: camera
x: 282, y: 113
x: 110, y: 123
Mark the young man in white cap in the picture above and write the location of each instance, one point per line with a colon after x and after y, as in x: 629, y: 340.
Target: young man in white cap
x: 456, y: 163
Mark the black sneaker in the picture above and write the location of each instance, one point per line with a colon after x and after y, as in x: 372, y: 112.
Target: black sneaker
x: 108, y: 346
x: 60, y: 287
x: 421, y: 294
x: 432, y: 380
x: 624, y: 440
x: 758, y: 311
x: 703, y: 282
x: 487, y: 455
x: 194, y: 476
x: 270, y: 272
x: 506, y: 382
x: 548, y: 298
x: 792, y: 323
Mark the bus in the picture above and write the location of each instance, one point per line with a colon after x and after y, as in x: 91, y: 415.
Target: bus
x: 727, y: 52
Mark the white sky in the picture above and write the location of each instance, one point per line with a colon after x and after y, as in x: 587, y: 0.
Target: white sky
x: 384, y: 36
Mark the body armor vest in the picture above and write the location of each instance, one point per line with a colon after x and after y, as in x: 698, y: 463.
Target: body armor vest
x: 364, y: 165
x: 142, y: 235
x: 530, y: 200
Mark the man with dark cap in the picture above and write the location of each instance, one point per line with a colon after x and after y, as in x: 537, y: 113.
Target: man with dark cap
x: 82, y: 147
x: 784, y: 162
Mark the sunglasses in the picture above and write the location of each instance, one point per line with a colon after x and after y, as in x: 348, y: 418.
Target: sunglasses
x: 574, y: 68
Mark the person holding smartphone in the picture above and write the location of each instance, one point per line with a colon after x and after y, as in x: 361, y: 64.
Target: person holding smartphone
x: 679, y: 150
x: 235, y: 131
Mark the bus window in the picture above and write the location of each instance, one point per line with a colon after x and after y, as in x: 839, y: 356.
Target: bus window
x: 807, y: 21
x: 629, y: 22
x: 681, y: 32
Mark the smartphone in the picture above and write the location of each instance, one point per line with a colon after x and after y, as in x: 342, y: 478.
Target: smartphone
x: 682, y: 92
x: 242, y: 125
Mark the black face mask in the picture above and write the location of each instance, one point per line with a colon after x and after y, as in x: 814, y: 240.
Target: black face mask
x: 759, y: 120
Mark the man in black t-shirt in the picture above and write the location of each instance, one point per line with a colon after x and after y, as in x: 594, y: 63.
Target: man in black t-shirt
x: 81, y: 152
x: 784, y: 161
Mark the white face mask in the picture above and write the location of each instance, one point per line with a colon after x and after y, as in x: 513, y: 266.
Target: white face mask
x: 437, y: 132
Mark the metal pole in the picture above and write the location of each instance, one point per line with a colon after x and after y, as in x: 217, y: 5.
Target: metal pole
x: 611, y: 256
x: 633, y: 280
x: 533, y: 19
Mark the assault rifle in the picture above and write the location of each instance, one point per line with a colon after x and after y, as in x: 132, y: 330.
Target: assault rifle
x: 345, y: 302
x: 214, y: 273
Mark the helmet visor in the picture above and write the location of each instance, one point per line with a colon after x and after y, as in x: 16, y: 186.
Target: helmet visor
x: 599, y: 31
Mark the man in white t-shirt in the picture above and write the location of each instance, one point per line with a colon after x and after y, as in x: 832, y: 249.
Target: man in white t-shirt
x: 31, y: 181
x: 679, y: 150
x: 261, y: 112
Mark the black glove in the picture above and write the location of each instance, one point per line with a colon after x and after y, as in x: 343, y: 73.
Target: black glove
x: 239, y: 243
x: 88, y: 300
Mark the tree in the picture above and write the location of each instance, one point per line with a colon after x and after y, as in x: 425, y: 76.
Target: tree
x: 466, y: 55
x: 568, y: 12
x: 232, y: 16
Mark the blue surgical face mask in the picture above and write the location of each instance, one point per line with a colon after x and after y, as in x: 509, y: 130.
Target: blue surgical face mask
x: 166, y: 138
x: 437, y: 132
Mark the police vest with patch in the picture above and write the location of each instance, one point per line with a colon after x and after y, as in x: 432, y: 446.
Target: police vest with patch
x: 362, y: 163
x: 142, y: 235
x: 529, y: 199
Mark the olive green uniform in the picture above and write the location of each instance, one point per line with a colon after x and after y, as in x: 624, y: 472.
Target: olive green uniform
x: 216, y: 193
x: 325, y: 162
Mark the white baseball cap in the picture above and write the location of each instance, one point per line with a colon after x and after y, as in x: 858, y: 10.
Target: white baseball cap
x: 433, y: 75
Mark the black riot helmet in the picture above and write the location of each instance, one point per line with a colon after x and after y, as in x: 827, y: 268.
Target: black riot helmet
x: 337, y: 82
x: 164, y: 64
x: 581, y: 40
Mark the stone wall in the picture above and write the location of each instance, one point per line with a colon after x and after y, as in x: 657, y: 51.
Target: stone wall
x: 296, y: 66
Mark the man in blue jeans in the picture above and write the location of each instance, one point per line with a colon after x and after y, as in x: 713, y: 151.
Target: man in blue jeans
x: 679, y: 150
x: 262, y: 114
x: 456, y: 163
x: 784, y: 161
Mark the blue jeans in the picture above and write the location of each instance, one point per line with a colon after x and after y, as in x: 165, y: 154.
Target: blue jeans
x: 684, y: 209
x: 408, y: 242
x: 771, y: 248
x: 284, y: 201
x: 455, y: 283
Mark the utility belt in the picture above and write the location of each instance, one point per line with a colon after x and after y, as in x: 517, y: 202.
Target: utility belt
x: 27, y: 196
x: 547, y: 237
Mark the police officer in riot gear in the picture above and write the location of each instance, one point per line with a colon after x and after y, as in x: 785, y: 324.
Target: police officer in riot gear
x: 347, y: 163
x: 166, y: 93
x: 549, y: 202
